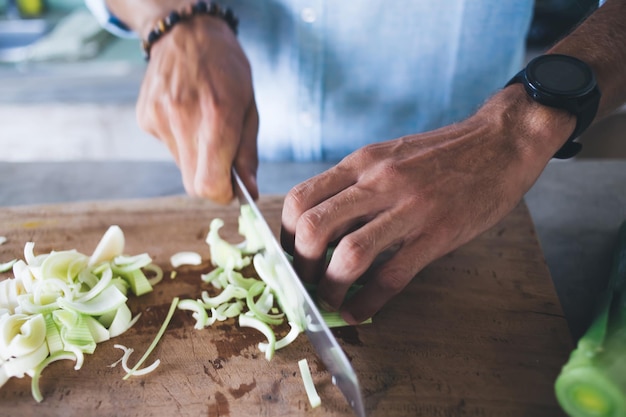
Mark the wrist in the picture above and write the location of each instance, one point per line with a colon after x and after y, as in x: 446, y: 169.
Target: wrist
x: 147, y: 21
x: 536, y: 130
x: 201, y: 11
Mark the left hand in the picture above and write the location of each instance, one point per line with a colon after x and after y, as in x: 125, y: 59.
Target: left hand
x: 420, y: 196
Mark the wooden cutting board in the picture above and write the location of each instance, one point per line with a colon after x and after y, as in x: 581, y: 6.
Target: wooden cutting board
x: 479, y: 332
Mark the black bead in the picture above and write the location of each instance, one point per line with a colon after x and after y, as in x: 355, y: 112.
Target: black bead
x: 199, y: 7
x: 172, y: 19
x: 154, y: 35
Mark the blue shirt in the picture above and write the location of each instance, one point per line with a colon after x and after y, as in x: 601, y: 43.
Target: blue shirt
x: 331, y: 76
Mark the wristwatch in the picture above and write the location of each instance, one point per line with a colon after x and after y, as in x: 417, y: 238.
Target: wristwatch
x: 563, y: 82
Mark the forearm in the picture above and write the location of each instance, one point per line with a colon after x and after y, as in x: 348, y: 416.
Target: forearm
x: 600, y: 41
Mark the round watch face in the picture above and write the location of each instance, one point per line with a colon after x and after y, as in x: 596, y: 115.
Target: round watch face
x: 560, y: 75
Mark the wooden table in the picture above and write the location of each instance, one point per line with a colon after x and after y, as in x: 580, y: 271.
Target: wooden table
x: 479, y: 332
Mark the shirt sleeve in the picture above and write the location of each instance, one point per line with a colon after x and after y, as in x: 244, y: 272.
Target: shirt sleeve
x: 107, y: 20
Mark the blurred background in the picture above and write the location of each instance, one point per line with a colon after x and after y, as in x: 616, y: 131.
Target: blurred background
x: 68, y: 88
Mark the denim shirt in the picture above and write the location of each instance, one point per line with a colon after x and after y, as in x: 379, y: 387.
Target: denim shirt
x: 331, y: 76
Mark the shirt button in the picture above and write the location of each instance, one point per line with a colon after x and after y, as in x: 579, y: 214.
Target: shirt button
x: 308, y: 15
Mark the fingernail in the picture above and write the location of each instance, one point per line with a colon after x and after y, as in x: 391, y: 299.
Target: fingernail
x: 349, y: 318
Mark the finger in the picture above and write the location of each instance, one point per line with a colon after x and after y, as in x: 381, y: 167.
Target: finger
x: 152, y: 119
x: 247, y: 161
x: 387, y: 281
x: 308, y: 194
x: 219, y: 139
x: 184, y: 126
x: 322, y: 224
x: 356, y: 253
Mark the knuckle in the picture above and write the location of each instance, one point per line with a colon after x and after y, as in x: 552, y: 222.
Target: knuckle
x: 389, y: 168
x: 180, y: 96
x: 294, y: 201
x: 367, y: 152
x: 309, y: 227
x: 356, y: 252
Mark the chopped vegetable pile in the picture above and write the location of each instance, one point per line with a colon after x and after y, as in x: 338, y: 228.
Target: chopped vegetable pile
x: 59, y: 305
x: 593, y: 381
x: 250, y: 300
x: 262, y: 303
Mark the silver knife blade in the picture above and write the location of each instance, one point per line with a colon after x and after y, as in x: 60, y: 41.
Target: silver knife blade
x: 318, y: 333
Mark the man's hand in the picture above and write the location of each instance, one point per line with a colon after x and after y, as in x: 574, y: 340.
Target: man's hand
x: 416, y: 198
x: 197, y: 98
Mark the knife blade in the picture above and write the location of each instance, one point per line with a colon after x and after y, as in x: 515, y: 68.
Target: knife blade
x: 302, y: 306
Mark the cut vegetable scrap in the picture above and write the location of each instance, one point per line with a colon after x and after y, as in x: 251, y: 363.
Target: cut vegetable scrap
x: 59, y: 305
x: 110, y: 246
x: 224, y: 254
x: 251, y: 321
x: 6, y: 266
x: 124, y: 361
x: 199, y: 313
x: 158, y: 336
x: 249, y: 229
x: 185, y: 258
x: 309, y: 386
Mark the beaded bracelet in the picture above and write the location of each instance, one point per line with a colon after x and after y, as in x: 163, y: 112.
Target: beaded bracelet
x: 200, y: 8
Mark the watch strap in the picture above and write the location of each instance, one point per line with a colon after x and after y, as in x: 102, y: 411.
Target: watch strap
x: 584, y: 110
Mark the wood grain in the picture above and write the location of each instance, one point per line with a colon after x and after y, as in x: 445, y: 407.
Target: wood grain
x: 479, y: 332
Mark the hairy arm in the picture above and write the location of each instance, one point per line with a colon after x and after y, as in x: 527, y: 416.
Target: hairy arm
x: 424, y: 195
x: 600, y: 41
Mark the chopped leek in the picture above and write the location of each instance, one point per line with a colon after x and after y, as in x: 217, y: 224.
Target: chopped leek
x: 259, y: 293
x: 39, y: 369
x: 223, y: 254
x: 110, y: 246
x: 309, y: 386
x: 109, y: 299
x: 248, y: 228
x: 124, y: 361
x: 60, y: 305
x: 262, y: 295
x: 199, y: 313
x: 185, y: 258
x: 4, y: 267
x: 593, y: 381
x: 158, y: 336
x: 251, y: 321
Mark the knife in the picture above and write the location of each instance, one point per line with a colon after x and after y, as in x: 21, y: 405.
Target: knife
x: 300, y: 303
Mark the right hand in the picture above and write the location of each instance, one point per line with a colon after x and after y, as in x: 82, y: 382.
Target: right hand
x: 197, y: 98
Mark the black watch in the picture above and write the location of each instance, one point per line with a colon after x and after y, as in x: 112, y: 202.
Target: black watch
x: 563, y: 82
